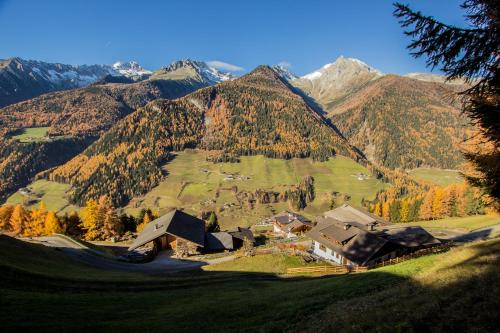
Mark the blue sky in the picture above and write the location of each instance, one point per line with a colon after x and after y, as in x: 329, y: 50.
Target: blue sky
x: 304, y: 34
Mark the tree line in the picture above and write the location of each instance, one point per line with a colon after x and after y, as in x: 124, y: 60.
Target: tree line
x: 97, y: 220
x: 455, y: 200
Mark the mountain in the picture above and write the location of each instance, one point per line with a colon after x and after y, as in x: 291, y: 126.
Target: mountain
x: 76, y: 117
x: 131, y: 70
x: 284, y: 73
x: 23, y: 79
x: 335, y: 81
x: 256, y: 114
x: 191, y: 69
x: 428, y: 77
x: 400, y: 122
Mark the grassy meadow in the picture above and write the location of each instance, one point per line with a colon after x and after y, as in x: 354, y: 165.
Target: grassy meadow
x: 32, y: 134
x: 460, y: 285
x: 51, y: 193
x: 197, y: 185
x: 437, y: 176
x: 467, y: 223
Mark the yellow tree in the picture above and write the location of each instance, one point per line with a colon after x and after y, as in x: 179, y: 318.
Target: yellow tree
x: 438, y: 208
x: 386, y: 209
x: 145, y: 221
x: 90, y: 223
x: 5, y: 213
x: 52, y: 224
x: 405, y: 210
x: 111, y: 224
x: 427, y: 203
x: 377, y: 210
x: 36, y: 222
x: 18, y: 220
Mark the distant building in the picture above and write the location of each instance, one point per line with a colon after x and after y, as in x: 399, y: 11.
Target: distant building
x: 172, y: 229
x: 289, y: 224
x: 356, y: 238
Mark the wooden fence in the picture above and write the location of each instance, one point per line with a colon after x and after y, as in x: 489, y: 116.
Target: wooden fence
x: 331, y: 270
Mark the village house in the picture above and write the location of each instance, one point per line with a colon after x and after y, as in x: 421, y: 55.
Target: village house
x: 356, y: 238
x: 289, y: 224
x: 171, y: 230
x: 177, y: 228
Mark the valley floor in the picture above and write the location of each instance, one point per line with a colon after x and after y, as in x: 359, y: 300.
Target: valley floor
x: 453, y: 291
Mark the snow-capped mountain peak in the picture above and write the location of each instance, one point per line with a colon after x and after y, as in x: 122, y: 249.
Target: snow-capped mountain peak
x: 285, y: 73
x: 130, y: 69
x: 340, y: 66
x: 209, y: 74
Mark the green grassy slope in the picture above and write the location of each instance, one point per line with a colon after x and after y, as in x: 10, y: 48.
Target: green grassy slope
x: 190, y: 186
x: 467, y: 223
x: 263, y: 303
x: 437, y: 176
x: 51, y: 193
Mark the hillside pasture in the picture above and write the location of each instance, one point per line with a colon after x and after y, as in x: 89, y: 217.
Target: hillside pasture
x: 435, y: 176
x: 195, y: 184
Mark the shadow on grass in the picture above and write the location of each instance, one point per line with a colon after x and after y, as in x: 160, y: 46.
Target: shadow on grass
x: 460, y: 295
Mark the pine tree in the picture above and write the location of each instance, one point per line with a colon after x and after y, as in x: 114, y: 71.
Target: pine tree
x: 395, y: 212
x: 18, y: 220
x: 472, y: 54
x: 213, y: 223
x: 52, y: 224
x: 5, y: 214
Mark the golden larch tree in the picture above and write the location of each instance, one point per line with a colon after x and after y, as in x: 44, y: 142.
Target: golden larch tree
x: 18, y: 220
x: 52, y: 224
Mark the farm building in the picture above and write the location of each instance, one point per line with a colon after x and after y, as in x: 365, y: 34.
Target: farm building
x: 362, y: 240
x: 172, y: 230
x: 356, y: 216
x: 290, y: 224
x: 181, y: 229
x: 227, y: 240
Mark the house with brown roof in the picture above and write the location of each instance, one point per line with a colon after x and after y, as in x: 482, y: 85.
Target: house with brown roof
x: 172, y: 230
x: 177, y: 227
x: 289, y: 224
x: 356, y: 239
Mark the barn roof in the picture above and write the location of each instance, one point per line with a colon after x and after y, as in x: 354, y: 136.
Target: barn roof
x: 242, y: 233
x: 219, y: 241
x: 347, y: 213
x: 176, y: 223
x: 413, y: 236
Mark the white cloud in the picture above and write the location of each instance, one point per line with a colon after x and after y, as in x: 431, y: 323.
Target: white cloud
x: 224, y: 66
x: 284, y: 64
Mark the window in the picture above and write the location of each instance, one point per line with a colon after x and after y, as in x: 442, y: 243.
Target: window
x: 322, y: 247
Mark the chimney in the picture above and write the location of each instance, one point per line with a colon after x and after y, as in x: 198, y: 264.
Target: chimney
x: 346, y: 226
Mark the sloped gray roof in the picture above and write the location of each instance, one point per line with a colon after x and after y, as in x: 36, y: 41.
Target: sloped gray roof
x: 347, y: 213
x: 219, y: 241
x: 360, y: 245
x: 413, y: 236
x: 242, y: 233
x: 176, y: 223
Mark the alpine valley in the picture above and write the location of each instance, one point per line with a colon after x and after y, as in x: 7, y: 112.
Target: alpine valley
x: 188, y: 135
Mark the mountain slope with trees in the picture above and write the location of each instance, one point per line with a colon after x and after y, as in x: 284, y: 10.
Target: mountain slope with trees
x: 256, y: 114
x: 77, y: 118
x: 399, y: 122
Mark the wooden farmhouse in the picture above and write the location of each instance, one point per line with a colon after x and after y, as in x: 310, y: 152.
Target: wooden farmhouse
x: 177, y: 228
x: 349, y: 236
x: 172, y: 230
x: 289, y: 224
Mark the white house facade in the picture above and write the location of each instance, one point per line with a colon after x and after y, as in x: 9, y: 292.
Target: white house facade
x: 326, y: 253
